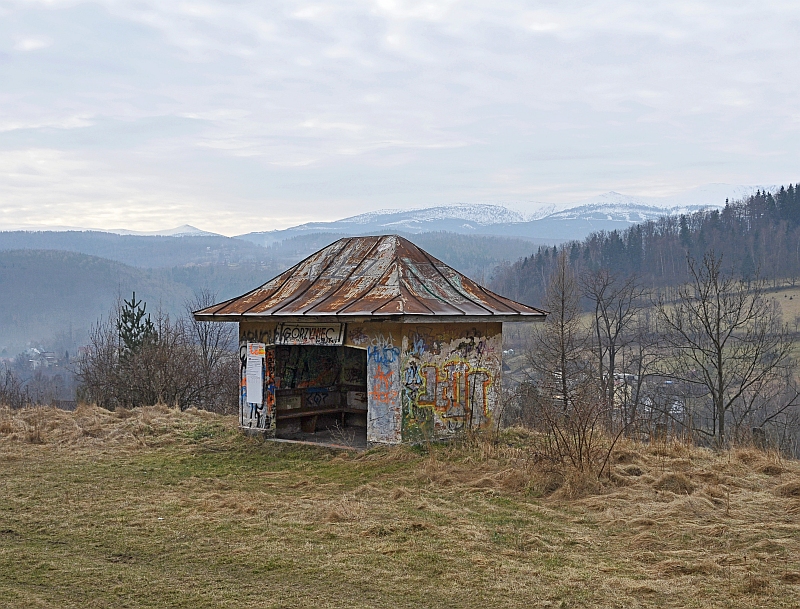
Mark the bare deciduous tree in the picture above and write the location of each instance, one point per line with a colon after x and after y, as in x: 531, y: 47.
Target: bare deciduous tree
x: 616, y: 302
x: 563, y: 392
x: 218, y: 347
x: 638, y: 362
x: 216, y: 340
x: 724, y: 336
x: 559, y: 350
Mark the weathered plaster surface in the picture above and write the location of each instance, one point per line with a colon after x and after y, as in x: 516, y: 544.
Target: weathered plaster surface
x: 423, y: 380
x: 429, y: 380
x: 381, y: 341
x: 257, y: 416
x: 450, y: 378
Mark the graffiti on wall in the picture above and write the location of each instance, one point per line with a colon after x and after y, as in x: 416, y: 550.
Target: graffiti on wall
x: 257, y: 415
x: 383, y: 389
x: 269, y: 383
x: 356, y: 336
x: 256, y: 335
x: 304, y: 334
x: 449, y: 379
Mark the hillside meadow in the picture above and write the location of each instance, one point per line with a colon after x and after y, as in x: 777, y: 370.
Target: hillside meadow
x: 158, y: 508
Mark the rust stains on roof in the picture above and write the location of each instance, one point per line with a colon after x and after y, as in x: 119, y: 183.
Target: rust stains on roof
x: 375, y: 277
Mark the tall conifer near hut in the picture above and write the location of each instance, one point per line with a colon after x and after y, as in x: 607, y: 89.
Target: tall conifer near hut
x: 134, y: 326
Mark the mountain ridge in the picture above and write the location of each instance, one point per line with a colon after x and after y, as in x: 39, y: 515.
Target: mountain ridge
x: 551, y: 223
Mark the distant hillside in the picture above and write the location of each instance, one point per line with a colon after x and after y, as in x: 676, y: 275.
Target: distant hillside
x: 227, y: 265
x: 137, y: 250
x: 476, y: 256
x: 43, y: 293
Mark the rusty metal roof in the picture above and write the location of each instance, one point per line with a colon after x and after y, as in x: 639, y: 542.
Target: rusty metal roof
x: 373, y: 277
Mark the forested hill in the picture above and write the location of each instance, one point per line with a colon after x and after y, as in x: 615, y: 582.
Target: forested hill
x: 759, y: 235
x: 45, y: 293
x: 139, y: 250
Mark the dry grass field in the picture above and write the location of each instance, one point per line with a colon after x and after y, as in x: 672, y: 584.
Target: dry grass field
x: 156, y: 508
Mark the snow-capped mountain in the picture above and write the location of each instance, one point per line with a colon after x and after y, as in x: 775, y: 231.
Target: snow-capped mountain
x: 549, y: 222
x: 540, y: 221
x: 462, y: 218
x: 618, y: 204
x: 479, y: 213
x: 186, y: 230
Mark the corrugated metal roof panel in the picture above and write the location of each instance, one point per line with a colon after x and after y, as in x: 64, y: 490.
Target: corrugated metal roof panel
x: 374, y: 277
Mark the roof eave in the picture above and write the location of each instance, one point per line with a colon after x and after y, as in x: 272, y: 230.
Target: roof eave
x: 396, y: 317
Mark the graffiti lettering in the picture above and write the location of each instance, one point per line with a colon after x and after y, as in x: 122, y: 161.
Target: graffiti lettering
x: 423, y: 342
x: 269, y: 382
x: 255, y: 336
x: 411, y: 376
x: 383, y: 356
x: 478, y: 388
x: 383, y: 387
x: 382, y: 352
x: 330, y: 335
x: 430, y: 375
x: 454, y: 390
x: 417, y: 345
x: 317, y: 398
x: 357, y: 336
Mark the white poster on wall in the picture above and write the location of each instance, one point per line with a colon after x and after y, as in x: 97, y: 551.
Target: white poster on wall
x: 254, y: 373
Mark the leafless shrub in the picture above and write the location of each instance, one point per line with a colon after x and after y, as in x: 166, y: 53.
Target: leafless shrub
x: 563, y: 397
x: 12, y: 391
x: 28, y: 388
x: 178, y: 365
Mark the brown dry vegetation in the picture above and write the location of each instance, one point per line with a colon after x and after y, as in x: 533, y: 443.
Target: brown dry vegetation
x: 155, y: 507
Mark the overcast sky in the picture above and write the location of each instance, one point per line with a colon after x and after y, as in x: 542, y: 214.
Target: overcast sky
x: 239, y: 116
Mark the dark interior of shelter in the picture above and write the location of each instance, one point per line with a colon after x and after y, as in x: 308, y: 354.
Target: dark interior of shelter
x: 321, y: 394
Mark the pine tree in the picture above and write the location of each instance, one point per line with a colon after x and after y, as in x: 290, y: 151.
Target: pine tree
x: 685, y: 234
x: 134, y: 326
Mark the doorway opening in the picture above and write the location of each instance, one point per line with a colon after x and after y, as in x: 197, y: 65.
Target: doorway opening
x: 321, y: 394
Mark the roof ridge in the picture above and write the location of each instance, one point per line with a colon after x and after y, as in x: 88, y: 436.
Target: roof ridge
x: 333, y: 292
x: 289, y: 270
x: 325, y: 268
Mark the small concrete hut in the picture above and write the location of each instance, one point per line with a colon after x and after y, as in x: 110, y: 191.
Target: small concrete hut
x: 373, y: 336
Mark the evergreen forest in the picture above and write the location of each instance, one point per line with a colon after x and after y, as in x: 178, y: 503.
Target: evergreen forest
x: 759, y: 236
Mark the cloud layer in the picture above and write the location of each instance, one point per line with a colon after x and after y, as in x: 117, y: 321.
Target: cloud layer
x: 249, y: 116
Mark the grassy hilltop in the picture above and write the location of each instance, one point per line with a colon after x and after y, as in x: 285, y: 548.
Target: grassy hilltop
x: 156, y: 508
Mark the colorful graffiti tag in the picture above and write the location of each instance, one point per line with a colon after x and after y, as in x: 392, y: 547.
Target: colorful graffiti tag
x: 449, y: 380
x: 383, y: 390
x: 269, y: 383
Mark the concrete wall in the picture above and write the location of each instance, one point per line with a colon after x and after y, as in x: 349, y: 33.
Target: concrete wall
x: 429, y: 380
x: 384, y: 413
x: 257, y: 416
x: 423, y: 380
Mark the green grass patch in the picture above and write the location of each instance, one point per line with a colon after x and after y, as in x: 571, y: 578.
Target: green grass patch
x: 199, y: 515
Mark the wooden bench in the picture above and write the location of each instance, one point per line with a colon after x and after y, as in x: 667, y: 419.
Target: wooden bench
x: 297, y: 413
